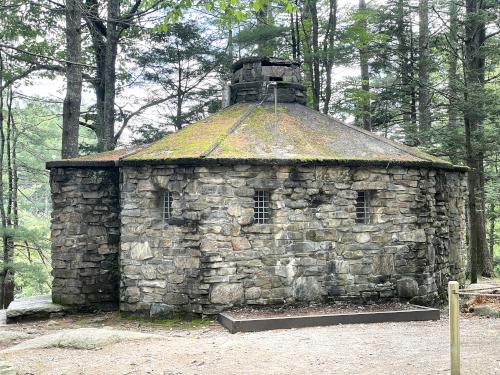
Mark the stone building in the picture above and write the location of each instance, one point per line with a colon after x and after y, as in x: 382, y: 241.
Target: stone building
x: 261, y: 203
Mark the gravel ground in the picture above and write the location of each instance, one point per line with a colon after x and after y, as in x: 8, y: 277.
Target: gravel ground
x: 386, y: 348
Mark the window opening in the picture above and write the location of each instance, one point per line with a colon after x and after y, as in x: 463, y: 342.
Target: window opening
x: 363, y: 207
x: 261, y: 209
x: 167, y: 206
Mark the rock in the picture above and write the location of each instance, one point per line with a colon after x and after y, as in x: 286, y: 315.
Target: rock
x: 140, y: 251
x: 13, y: 335
x: 7, y: 369
x: 485, y: 310
x: 306, y: 289
x: 33, y: 308
x: 82, y: 338
x: 226, y: 294
x: 383, y: 264
x: 186, y: 262
x: 253, y: 293
x: 363, y: 237
x: 407, y: 288
x: 240, y: 243
x: 417, y: 235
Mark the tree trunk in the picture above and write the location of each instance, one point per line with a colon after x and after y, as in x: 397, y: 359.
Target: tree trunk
x: 413, y: 94
x: 97, y: 32
x: 179, y: 95
x: 491, y: 234
x: 6, y: 273
x: 329, y: 53
x: 423, y: 68
x: 474, y: 70
x: 403, y: 52
x: 110, y: 74
x: 72, y: 101
x: 297, y: 33
x: 294, y: 39
x: 315, y: 53
x: 365, y: 76
x: 452, y: 66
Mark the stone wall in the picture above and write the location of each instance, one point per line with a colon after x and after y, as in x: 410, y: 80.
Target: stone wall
x: 250, y: 82
x: 211, y: 256
x: 85, y: 236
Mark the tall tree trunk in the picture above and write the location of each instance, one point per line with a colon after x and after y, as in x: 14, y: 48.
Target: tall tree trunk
x: 6, y: 273
x: 179, y: 97
x: 294, y: 38
x: 365, y: 75
x: 329, y: 53
x: 423, y: 68
x: 452, y: 66
x: 413, y: 93
x: 72, y: 101
x: 491, y: 234
x: 474, y: 70
x: 297, y: 33
x: 403, y: 52
x: 97, y: 32
x: 110, y: 74
x: 313, y: 11
x: 305, y: 21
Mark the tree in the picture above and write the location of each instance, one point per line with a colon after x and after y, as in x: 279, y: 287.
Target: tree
x: 474, y: 72
x: 365, y: 73
x: 74, y: 82
x: 424, y: 97
x: 329, y: 53
x: 183, y: 63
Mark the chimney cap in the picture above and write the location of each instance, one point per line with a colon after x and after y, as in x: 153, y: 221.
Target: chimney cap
x: 264, y: 60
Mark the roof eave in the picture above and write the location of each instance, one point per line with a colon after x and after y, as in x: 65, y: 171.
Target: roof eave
x: 81, y: 164
x: 320, y: 162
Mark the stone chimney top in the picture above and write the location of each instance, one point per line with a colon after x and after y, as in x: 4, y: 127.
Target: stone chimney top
x: 254, y: 79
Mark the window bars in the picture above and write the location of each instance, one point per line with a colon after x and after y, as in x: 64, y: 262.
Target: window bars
x: 261, y: 209
x: 363, y: 207
x: 167, y: 206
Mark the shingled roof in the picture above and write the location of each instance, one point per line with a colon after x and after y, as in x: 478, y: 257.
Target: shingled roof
x: 253, y: 133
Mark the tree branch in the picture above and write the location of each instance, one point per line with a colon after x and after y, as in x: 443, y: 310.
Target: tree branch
x: 137, y: 112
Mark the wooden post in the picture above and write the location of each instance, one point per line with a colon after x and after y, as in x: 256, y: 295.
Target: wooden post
x: 454, y: 334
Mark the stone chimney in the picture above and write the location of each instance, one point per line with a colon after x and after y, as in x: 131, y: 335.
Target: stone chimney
x: 255, y: 78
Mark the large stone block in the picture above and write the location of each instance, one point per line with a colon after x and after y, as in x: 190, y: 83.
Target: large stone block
x: 227, y: 294
x: 140, y: 251
x: 407, y: 288
x: 307, y: 289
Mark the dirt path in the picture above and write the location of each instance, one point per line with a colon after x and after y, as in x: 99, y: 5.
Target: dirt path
x: 387, y: 348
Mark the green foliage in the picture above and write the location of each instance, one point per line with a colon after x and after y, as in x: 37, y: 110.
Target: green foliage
x: 38, y: 139
x: 269, y: 37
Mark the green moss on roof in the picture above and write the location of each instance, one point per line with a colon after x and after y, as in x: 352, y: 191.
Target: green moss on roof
x: 193, y: 141
x: 249, y: 132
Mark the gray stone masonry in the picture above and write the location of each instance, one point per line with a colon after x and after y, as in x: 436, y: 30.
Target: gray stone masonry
x: 250, y: 82
x: 211, y: 256
x: 85, y: 236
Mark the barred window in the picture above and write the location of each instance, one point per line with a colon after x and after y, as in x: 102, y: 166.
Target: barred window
x: 261, y: 210
x: 363, y: 209
x: 167, y: 205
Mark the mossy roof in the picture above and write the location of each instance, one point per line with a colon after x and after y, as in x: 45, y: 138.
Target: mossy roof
x: 253, y: 133
x: 295, y: 133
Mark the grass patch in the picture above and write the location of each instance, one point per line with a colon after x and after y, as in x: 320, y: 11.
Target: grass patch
x: 174, y: 322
